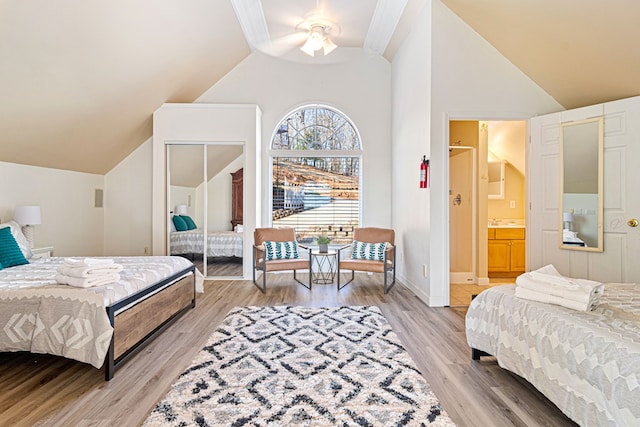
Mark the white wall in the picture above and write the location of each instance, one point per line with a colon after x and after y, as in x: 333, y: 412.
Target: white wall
x: 128, y: 190
x: 204, y: 123
x: 70, y: 222
x: 181, y: 196
x: 450, y: 73
x: 219, y: 197
x: 358, y: 87
x: 411, y: 91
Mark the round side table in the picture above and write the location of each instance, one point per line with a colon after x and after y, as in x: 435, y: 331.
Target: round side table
x: 323, y: 266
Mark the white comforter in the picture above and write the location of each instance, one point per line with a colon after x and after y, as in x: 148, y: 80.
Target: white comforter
x: 41, y: 316
x: 587, y: 363
x: 219, y: 243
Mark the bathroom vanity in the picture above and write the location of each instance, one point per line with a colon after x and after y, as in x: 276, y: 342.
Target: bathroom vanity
x: 506, y: 251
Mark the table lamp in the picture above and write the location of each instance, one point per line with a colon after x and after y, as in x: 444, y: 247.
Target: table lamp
x: 27, y: 217
x: 567, y: 219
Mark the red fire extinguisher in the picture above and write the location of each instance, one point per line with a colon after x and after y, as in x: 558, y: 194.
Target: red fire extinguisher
x: 424, y: 172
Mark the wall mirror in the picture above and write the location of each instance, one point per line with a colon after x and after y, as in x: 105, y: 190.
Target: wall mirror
x: 581, y: 181
x: 495, y: 174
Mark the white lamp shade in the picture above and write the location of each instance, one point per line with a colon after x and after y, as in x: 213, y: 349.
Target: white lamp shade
x: 181, y: 209
x: 27, y: 215
x: 567, y: 217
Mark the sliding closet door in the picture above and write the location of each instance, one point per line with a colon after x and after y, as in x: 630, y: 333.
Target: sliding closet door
x: 187, y: 211
x: 225, y: 245
x: 200, y: 189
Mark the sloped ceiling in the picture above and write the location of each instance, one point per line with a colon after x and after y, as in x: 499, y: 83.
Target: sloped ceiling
x: 80, y: 79
x: 581, y: 52
x: 185, y: 159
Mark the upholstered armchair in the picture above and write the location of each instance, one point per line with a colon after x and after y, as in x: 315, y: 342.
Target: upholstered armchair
x: 275, y: 249
x: 373, y: 250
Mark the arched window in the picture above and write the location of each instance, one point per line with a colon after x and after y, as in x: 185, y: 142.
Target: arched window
x: 315, y: 157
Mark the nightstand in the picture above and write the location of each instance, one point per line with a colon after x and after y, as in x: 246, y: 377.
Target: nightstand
x: 45, y: 252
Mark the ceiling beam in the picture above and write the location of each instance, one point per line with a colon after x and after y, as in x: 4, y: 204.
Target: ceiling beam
x: 253, y: 23
x: 383, y: 23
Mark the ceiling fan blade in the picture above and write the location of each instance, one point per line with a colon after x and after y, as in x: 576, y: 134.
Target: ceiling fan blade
x: 281, y: 45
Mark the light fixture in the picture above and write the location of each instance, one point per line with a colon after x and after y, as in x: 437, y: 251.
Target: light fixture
x: 27, y: 216
x: 181, y: 209
x: 318, y: 39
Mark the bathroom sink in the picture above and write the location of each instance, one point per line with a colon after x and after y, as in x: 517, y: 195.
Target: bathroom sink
x: 506, y: 223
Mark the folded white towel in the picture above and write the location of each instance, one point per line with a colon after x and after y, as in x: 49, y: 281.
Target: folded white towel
x: 89, y: 271
x: 580, y: 290
x: 87, y: 282
x: 531, y: 295
x: 86, y: 262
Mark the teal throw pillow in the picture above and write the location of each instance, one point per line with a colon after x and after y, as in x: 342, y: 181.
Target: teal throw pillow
x: 371, y: 251
x: 191, y: 225
x: 10, y: 253
x: 281, y: 250
x: 179, y: 223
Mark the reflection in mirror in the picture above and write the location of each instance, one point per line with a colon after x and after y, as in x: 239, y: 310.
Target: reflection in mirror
x: 495, y: 173
x: 581, y: 180
x: 200, y: 187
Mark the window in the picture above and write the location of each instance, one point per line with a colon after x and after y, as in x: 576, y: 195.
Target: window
x: 316, y: 156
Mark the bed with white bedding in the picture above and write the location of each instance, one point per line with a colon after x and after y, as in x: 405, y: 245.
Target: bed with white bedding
x: 98, y: 325
x: 587, y: 363
x: 219, y: 243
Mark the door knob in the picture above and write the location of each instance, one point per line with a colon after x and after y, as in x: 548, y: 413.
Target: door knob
x: 632, y: 222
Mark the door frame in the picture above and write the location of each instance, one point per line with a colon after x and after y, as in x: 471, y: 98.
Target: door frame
x: 444, y: 159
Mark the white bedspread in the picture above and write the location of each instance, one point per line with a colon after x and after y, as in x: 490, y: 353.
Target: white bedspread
x: 219, y: 243
x: 40, y: 316
x: 587, y: 363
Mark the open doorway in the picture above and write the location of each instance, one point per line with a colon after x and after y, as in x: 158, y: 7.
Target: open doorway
x: 498, y: 196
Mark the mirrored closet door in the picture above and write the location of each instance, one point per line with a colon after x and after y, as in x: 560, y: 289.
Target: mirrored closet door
x: 204, y: 207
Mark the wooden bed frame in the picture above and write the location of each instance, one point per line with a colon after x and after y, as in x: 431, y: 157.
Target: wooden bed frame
x: 141, y: 317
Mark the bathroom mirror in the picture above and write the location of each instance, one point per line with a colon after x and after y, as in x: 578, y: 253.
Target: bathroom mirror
x: 495, y: 174
x: 581, y: 181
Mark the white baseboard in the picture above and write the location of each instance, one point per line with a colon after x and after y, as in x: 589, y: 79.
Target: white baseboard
x: 461, y: 277
x: 483, y: 281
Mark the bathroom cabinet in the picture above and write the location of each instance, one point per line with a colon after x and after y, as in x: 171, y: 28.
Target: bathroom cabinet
x: 506, y: 252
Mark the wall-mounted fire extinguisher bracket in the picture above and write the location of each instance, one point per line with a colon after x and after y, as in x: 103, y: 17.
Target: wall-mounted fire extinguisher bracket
x: 424, y: 172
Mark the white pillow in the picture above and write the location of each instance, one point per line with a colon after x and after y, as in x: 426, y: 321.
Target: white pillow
x: 16, y: 232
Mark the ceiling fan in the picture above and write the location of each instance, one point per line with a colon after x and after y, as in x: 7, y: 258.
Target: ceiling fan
x: 319, y: 32
x: 287, y: 28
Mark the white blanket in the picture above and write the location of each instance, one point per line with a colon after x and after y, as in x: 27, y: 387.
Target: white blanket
x: 587, y: 363
x: 84, y: 262
x: 90, y: 271
x: 531, y: 295
x: 88, y: 282
x: 549, y: 286
x: 41, y: 316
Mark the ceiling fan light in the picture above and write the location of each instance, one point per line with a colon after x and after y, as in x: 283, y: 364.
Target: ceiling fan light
x: 316, y: 40
x: 308, y: 48
x: 328, y: 46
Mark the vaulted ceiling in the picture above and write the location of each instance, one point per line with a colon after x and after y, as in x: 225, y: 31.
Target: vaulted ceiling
x: 80, y: 79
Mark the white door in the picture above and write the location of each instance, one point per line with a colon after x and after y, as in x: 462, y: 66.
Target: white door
x: 619, y: 261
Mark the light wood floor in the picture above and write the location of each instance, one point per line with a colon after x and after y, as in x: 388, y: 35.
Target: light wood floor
x: 46, y: 390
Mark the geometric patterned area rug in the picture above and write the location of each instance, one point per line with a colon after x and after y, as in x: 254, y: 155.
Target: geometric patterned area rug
x: 301, y: 366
